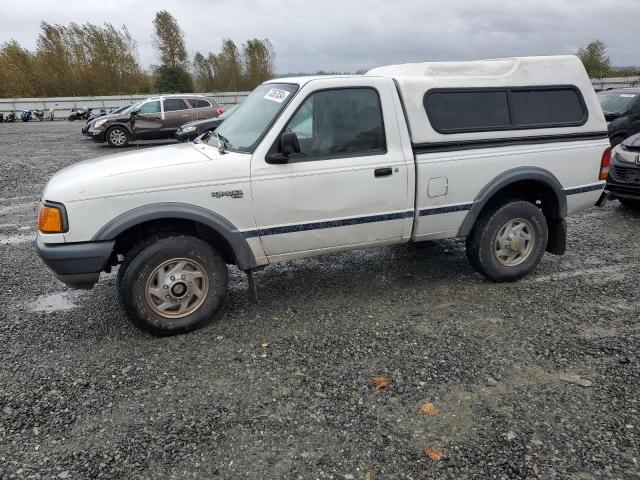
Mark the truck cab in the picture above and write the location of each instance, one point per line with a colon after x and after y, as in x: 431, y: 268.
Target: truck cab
x: 497, y: 152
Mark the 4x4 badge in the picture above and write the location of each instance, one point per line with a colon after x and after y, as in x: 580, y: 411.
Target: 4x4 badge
x: 227, y: 193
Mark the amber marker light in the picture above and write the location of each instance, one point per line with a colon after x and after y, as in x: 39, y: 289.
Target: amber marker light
x: 50, y: 219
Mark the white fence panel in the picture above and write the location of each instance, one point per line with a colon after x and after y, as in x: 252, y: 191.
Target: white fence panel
x: 63, y: 105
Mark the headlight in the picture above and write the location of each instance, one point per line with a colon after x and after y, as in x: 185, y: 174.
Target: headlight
x: 52, y: 218
x: 189, y: 129
x: 100, y: 122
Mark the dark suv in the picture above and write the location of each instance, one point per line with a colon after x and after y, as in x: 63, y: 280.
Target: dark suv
x: 621, y: 107
x: 624, y: 172
x: 153, y: 118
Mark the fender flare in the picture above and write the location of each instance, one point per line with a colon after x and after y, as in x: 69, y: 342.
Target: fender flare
x: 505, y: 179
x: 244, y: 256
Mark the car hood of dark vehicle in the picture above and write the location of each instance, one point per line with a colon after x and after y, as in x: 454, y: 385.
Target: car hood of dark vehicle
x: 632, y: 143
x: 204, y: 121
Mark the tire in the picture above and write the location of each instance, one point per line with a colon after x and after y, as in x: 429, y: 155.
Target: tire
x: 118, y: 137
x: 141, y: 272
x: 488, y: 247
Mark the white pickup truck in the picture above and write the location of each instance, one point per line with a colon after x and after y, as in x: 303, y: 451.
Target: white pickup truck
x: 496, y: 151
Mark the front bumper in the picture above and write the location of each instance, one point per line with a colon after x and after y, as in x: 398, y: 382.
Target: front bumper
x: 621, y: 189
x: 97, y: 136
x: 77, y: 265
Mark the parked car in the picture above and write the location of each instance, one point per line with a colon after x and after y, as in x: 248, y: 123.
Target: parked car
x: 498, y: 152
x: 39, y: 114
x: 623, y: 181
x: 153, y: 118
x: 92, y: 118
x: 9, y: 117
x: 191, y: 130
x: 79, y: 114
x: 621, y: 108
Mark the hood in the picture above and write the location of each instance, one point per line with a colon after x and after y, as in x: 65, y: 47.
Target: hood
x: 206, y: 121
x: 632, y: 143
x: 135, y: 171
x: 118, y: 117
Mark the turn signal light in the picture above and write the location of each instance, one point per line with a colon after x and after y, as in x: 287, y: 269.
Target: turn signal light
x: 50, y: 219
x: 604, y: 164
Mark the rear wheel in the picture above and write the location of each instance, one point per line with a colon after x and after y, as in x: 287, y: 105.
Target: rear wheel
x: 508, y: 240
x: 172, y: 284
x: 118, y: 137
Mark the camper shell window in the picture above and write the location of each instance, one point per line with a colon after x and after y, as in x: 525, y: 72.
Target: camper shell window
x: 466, y: 110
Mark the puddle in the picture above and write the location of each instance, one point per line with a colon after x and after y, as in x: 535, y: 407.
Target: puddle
x: 55, y: 302
x: 612, y: 269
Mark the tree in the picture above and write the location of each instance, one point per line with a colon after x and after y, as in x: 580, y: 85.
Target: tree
x: 18, y: 69
x: 595, y: 59
x: 227, y: 67
x: 168, y: 38
x: 203, y: 72
x: 173, y: 80
x: 258, y: 57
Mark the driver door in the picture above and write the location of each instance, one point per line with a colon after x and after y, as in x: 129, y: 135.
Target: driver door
x: 147, y: 120
x: 347, y: 187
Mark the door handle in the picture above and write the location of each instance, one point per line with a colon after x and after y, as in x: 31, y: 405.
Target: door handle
x: 382, y: 172
x: 185, y: 116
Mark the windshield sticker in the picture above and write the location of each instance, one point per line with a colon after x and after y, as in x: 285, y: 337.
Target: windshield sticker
x: 276, y: 95
x: 628, y: 95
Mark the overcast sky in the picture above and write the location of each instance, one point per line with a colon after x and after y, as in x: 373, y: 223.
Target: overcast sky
x: 347, y: 35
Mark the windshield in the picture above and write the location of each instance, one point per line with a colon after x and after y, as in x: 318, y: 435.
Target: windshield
x: 243, y: 130
x: 614, y: 102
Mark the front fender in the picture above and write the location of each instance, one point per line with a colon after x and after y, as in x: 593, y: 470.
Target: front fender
x: 161, y: 211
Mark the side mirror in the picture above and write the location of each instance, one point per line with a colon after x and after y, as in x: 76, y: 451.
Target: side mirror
x: 289, y: 145
x: 134, y: 111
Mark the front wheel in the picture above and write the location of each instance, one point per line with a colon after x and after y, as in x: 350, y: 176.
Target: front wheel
x: 173, y: 284
x: 118, y: 137
x: 508, y: 240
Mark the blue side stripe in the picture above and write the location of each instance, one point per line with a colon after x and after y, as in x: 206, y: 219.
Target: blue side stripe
x: 447, y: 209
x: 588, y: 188
x: 303, y: 227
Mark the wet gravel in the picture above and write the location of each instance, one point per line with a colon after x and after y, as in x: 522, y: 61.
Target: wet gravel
x: 282, y: 389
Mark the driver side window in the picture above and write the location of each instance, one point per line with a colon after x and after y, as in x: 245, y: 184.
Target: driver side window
x: 339, y: 122
x: 150, y: 107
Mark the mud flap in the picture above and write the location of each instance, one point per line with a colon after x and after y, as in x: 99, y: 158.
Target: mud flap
x: 253, y: 290
x: 557, y: 243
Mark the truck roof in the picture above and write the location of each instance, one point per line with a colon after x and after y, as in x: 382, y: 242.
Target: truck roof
x: 498, y: 69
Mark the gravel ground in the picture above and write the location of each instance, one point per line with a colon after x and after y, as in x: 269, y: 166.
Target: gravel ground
x: 283, y: 389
